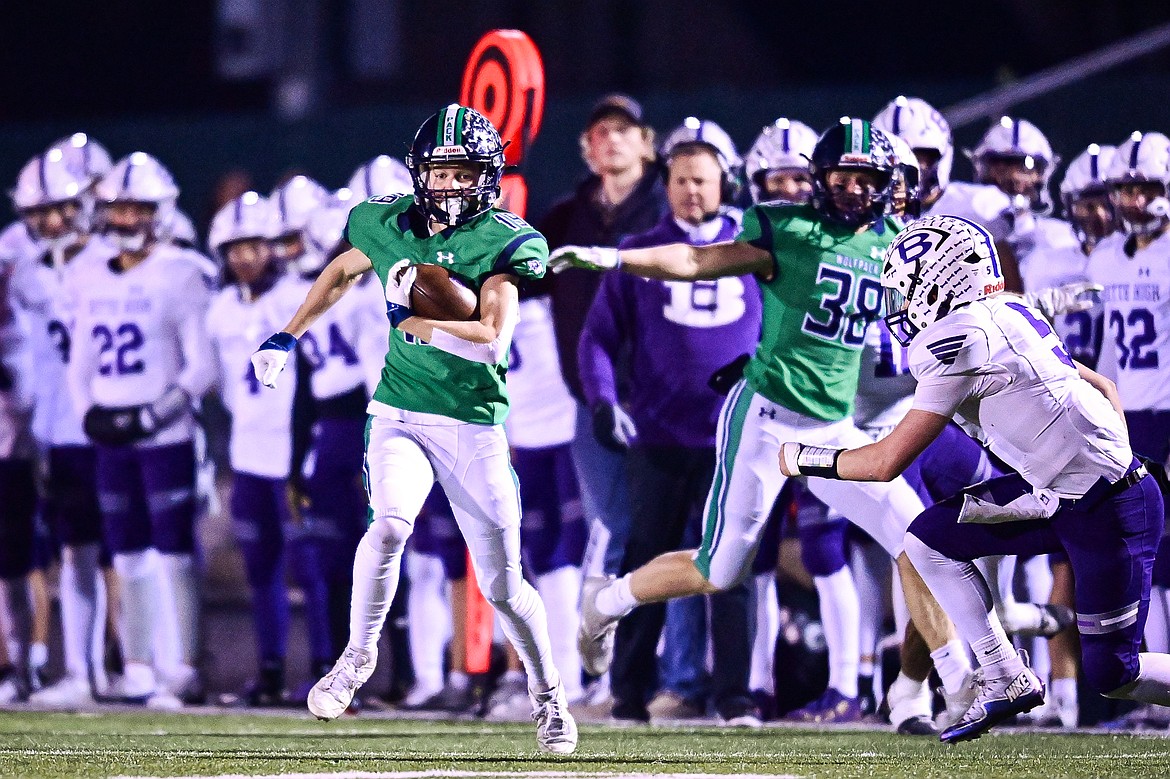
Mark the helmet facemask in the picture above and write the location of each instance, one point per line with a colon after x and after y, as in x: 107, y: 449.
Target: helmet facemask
x: 454, y: 203
x: 897, y: 302
x: 854, y: 209
x: 1022, y: 177
x: 1092, y: 214
x: 1146, y: 219
x: 251, y: 263
x: 457, y: 138
x: 60, y: 225
x: 134, y: 229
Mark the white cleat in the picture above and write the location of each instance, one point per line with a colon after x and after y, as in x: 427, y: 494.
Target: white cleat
x: 137, y: 684
x: 910, y: 708
x: 70, y: 692
x: 9, y: 688
x: 997, y: 700
x: 960, y: 702
x: 331, y: 696
x: 556, y: 730
x: 595, y: 635
x: 164, y: 700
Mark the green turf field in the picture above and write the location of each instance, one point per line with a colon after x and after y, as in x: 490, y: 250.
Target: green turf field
x: 160, y: 745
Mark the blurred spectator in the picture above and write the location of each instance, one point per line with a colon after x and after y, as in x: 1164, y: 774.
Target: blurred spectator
x: 678, y: 334
x: 623, y: 195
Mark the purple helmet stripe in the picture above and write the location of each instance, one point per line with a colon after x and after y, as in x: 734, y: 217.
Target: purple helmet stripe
x: 1093, y: 174
x: 126, y: 175
x: 897, y: 120
x: 1133, y: 152
x: 1015, y: 133
x: 41, y: 174
x: 986, y: 237
x: 784, y: 142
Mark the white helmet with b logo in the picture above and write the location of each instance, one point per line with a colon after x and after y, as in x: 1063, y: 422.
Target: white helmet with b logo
x: 935, y: 265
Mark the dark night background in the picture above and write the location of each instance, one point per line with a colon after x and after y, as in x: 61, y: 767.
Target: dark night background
x: 324, y: 84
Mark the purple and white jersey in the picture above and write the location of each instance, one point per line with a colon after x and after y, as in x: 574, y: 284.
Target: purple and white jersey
x: 997, y: 367
x: 1033, y: 234
x: 678, y: 332
x: 340, y: 347
x: 543, y: 413
x: 1057, y: 266
x: 39, y: 289
x: 981, y: 203
x: 1135, y: 343
x: 885, y: 388
x: 16, y: 374
x: 261, y: 438
x: 15, y: 241
x: 137, y: 333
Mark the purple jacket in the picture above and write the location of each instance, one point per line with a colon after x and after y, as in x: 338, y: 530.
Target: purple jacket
x: 677, y: 334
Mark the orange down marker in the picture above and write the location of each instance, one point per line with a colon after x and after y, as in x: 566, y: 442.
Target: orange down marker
x: 504, y: 81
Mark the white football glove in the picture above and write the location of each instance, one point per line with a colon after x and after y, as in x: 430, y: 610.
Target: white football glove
x: 586, y: 257
x: 613, y: 427
x: 268, y: 361
x: 399, y: 282
x: 1065, y: 299
x: 624, y: 429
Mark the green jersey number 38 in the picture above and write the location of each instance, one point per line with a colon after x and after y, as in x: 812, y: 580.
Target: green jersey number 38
x: 847, y: 307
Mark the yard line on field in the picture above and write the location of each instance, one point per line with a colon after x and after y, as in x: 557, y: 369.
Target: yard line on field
x: 438, y: 773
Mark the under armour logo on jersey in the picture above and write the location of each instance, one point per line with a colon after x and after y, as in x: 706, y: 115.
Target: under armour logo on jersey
x: 447, y: 258
x: 770, y: 413
x: 946, y: 350
x: 1144, y: 272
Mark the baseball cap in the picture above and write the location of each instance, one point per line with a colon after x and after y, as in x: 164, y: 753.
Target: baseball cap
x: 622, y: 105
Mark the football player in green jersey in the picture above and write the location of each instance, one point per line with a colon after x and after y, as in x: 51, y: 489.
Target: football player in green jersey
x: 819, y: 267
x: 438, y: 410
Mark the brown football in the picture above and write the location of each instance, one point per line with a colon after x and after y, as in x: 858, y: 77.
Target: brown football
x: 437, y: 294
